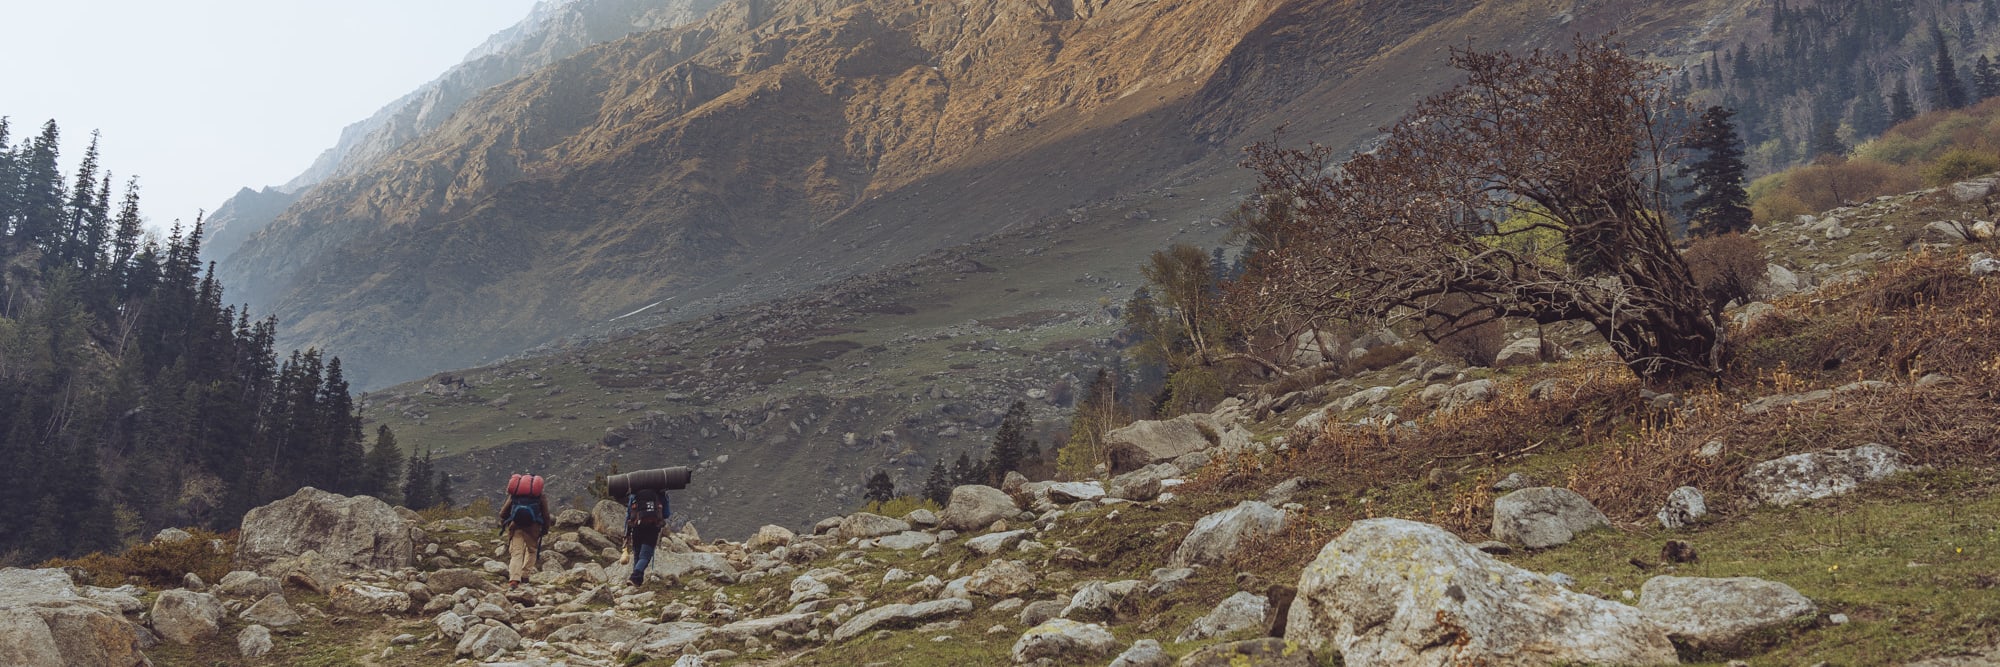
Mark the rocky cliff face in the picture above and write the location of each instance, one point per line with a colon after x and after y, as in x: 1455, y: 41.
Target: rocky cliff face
x: 554, y: 30
x: 777, y: 144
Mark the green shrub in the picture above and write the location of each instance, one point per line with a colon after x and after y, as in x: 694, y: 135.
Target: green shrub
x: 1191, y: 390
x: 1959, y: 164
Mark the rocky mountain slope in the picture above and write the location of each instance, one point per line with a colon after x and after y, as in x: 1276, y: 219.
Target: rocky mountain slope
x: 553, y: 30
x: 1542, y: 513
x: 774, y: 146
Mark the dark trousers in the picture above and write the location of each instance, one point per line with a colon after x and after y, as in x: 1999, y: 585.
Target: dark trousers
x: 642, y: 556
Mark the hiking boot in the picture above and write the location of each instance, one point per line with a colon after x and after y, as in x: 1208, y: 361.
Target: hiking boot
x: 513, y: 584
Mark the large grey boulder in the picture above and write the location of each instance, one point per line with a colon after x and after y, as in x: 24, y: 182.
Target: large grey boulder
x: 992, y: 543
x: 450, y: 580
x: 1144, y: 653
x: 1527, y: 351
x: 608, y: 518
x: 1466, y: 394
x: 485, y: 641
x: 253, y: 641
x: 1718, y: 615
x: 1397, y: 592
x: 976, y: 506
x: 1684, y: 507
x: 1075, y: 492
x: 898, y: 615
x: 1218, y: 535
x: 46, y: 621
x: 346, y: 532
x: 769, y: 536
x: 1802, y: 477
x: 680, y: 566
x: 1142, y: 484
x: 273, y: 611
x: 183, y: 617
x: 1144, y: 443
x: 246, y: 584
x: 356, y: 598
x: 1543, y: 517
x: 864, y: 525
x: 1002, y: 579
x: 1064, y: 641
x: 1242, y: 611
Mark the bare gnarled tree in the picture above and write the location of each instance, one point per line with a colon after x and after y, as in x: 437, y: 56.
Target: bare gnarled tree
x: 1532, y: 190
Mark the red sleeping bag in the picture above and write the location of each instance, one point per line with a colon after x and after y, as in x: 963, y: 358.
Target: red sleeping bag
x: 525, y: 485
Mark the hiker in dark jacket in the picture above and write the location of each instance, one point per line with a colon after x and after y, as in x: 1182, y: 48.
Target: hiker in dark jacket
x: 645, y: 515
x: 524, y: 519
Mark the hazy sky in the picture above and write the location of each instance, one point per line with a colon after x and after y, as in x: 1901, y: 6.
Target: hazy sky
x: 201, y: 97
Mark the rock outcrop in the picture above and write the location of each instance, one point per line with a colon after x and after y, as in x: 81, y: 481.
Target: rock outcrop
x: 976, y: 506
x: 1802, y: 477
x: 1543, y: 517
x: 357, y: 532
x: 1217, y: 536
x: 1396, y: 592
x: 1718, y: 615
x: 47, y: 621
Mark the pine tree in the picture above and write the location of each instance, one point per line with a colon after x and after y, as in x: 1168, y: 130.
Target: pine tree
x: 419, y: 491
x: 1719, y: 203
x: 384, y: 464
x: 966, y: 471
x: 1825, y: 138
x: 1010, y: 442
x: 41, y: 198
x: 10, y: 182
x: 1986, y: 81
x: 444, y: 496
x: 77, y: 213
x: 1901, y: 106
x: 1949, y: 91
x: 879, y: 489
x: 938, y: 486
x: 1871, y: 117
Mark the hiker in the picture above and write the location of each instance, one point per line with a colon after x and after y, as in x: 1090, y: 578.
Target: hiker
x: 645, y: 515
x: 524, y: 520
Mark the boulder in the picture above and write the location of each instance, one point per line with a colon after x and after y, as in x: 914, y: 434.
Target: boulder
x: 1466, y: 393
x: 1092, y: 601
x: 1142, y: 484
x: 1265, y: 652
x: 1984, y: 266
x: 679, y: 566
x: 1780, y: 281
x: 1039, y: 611
x: 1397, y: 592
x: 1065, y: 641
x: 1721, y: 615
x: 485, y: 641
x: 1527, y: 351
x: 1362, y: 399
x: 1218, y: 535
x: 864, y: 525
x: 273, y: 611
x: 669, y: 639
x: 607, y: 629
x: 450, y: 580
x: 1001, y: 579
x: 356, y: 598
x: 572, y: 519
x: 1752, y: 313
x: 171, y: 536
x: 975, y: 506
x: 806, y: 588
x: 46, y: 621
x: 1242, y: 611
x: 906, y: 540
x: 183, y: 617
x: 1144, y: 653
x: 992, y: 543
x: 1971, y: 191
x: 245, y: 584
x: 899, y: 615
x: 1075, y: 492
x: 764, y: 627
x: 608, y: 518
x: 253, y: 641
x: 1542, y: 517
x: 769, y: 536
x: 925, y: 518
x: 346, y: 533
x: 1144, y: 443
x: 1684, y: 507
x: 1810, y: 476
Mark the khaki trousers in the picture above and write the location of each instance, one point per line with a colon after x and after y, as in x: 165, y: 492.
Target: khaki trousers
x: 523, y: 556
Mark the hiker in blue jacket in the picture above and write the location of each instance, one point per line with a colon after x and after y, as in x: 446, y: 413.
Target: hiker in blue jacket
x: 645, y: 515
x: 524, y: 519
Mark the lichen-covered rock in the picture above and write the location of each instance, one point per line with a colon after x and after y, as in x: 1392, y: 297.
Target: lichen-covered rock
x: 1718, y: 615
x: 680, y: 566
x: 864, y: 525
x: 1527, y: 351
x: 1265, y: 652
x: 1065, y: 641
x: 1802, y: 477
x: 450, y: 580
x: 992, y: 543
x: 765, y: 626
x: 1684, y: 507
x: 46, y: 621
x: 273, y: 611
x: 485, y: 641
x: 356, y: 598
x: 608, y: 518
x: 346, y: 532
x: 1242, y: 611
x: 246, y: 584
x: 769, y: 536
x: 183, y: 617
x: 899, y: 615
x: 1543, y: 517
x: 1144, y: 653
x: 1396, y: 592
x: 1143, y: 484
x: 1218, y: 535
x: 1465, y: 394
x: 1144, y: 443
x: 1001, y: 579
x: 253, y: 641
x: 976, y: 506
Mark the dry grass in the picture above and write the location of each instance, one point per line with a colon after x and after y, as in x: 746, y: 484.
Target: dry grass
x: 159, y: 564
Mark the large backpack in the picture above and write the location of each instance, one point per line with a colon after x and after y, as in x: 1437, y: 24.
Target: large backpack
x: 527, y: 510
x: 648, y: 508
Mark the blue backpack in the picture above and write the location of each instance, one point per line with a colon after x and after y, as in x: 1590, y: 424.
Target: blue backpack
x: 526, y: 510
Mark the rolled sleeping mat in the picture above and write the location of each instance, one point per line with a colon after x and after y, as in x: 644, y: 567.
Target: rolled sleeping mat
x: 514, y: 485
x: 664, y: 479
x: 536, y: 486
x: 525, y: 485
